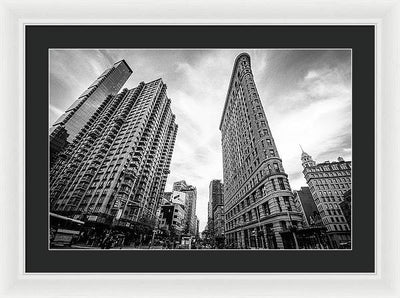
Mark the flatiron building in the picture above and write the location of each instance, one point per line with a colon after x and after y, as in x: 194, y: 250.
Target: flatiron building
x: 114, y: 171
x: 258, y: 201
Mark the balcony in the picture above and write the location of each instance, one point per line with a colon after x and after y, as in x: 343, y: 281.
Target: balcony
x: 99, y: 155
x: 62, y: 182
x: 111, y: 134
x: 124, y: 191
x: 80, y: 155
x: 90, y: 172
x: 80, y: 189
x: 119, y: 119
x: 95, y: 163
x: 133, y: 204
x: 87, y: 177
x: 78, y: 194
x: 86, y: 144
x: 94, y: 134
x: 128, y: 174
x: 63, y: 156
x: 127, y: 183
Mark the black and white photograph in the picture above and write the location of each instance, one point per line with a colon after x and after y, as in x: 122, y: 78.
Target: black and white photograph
x: 200, y: 149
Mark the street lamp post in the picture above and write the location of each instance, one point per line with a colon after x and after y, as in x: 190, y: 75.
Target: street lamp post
x: 291, y: 227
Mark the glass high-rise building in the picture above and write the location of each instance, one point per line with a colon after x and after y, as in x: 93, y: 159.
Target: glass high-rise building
x: 114, y: 172
x: 70, y: 124
x: 258, y: 201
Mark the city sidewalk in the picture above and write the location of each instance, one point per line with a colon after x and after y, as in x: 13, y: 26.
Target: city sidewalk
x: 83, y: 246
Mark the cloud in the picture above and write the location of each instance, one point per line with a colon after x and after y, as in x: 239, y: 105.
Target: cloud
x: 306, y: 95
x: 57, y: 112
x: 311, y: 75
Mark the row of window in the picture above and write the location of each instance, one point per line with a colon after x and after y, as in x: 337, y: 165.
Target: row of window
x: 100, y: 184
x: 328, y: 174
x: 258, y: 212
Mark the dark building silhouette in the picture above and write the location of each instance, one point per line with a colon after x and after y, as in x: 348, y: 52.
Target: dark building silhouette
x: 308, y: 207
x: 345, y: 205
x: 217, y: 216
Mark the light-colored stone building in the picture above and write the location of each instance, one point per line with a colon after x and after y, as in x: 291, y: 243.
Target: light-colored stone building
x: 258, y: 201
x: 190, y: 207
x: 328, y: 181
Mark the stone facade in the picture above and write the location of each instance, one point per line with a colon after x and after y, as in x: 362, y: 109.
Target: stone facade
x: 328, y: 183
x: 190, y: 207
x: 258, y: 201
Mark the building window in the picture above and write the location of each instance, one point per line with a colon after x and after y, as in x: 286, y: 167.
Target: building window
x: 273, y: 184
x: 287, y: 203
x: 271, y: 152
x: 279, y: 204
x: 269, y: 168
x: 266, y: 209
x: 281, y: 184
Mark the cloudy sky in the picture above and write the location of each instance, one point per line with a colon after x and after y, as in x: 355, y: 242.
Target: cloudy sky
x: 306, y: 95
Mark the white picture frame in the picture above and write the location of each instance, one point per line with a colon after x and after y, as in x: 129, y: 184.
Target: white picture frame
x: 384, y: 15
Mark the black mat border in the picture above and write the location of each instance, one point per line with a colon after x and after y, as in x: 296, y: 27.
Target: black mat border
x: 38, y: 39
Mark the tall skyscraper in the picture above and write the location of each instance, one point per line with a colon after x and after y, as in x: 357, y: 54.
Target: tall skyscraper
x: 258, y: 200
x: 216, y: 202
x: 306, y: 205
x: 190, y: 206
x: 328, y: 182
x: 114, y: 172
x: 71, y: 123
